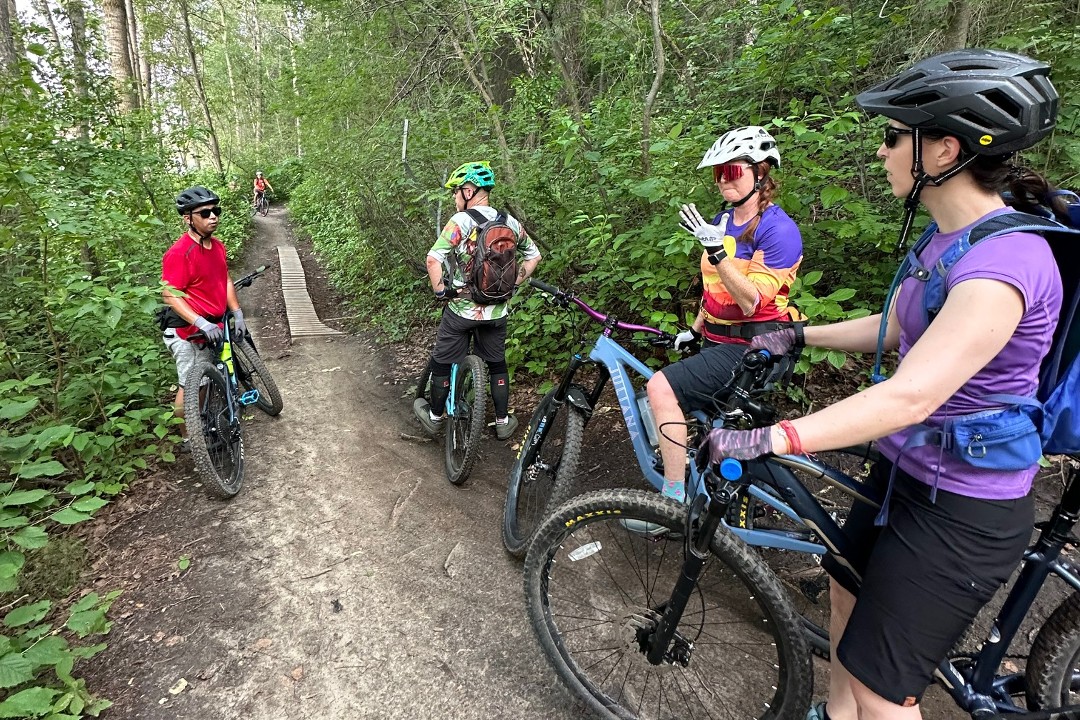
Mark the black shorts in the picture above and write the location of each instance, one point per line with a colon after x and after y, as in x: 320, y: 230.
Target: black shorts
x: 452, y: 341
x: 926, y: 575
x: 699, y: 378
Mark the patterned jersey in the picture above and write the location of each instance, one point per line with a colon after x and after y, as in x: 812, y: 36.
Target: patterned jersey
x: 459, y: 236
x: 770, y: 262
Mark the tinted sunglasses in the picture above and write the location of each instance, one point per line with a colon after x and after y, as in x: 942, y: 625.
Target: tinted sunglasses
x: 205, y: 213
x: 892, y: 135
x: 728, y: 171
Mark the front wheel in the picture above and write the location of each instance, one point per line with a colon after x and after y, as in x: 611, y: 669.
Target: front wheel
x: 215, y: 435
x: 597, y: 583
x: 542, y: 475
x: 466, y: 423
x: 1053, y: 667
x: 252, y: 374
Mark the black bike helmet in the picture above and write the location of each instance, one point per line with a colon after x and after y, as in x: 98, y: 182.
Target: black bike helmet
x: 994, y: 102
x: 194, y: 197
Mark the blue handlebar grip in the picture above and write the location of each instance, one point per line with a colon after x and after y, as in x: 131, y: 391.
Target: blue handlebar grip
x: 731, y: 469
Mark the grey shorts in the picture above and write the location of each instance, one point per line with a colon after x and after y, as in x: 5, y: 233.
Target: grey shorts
x: 184, y: 353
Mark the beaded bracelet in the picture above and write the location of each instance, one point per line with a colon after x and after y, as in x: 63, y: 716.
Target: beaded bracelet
x: 794, y: 443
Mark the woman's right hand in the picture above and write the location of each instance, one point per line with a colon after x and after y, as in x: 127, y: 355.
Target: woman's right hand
x: 777, y: 342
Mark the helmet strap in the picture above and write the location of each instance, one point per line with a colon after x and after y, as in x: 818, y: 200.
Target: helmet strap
x: 922, y: 179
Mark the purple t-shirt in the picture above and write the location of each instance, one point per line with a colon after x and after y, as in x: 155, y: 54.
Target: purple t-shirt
x: 1024, y: 261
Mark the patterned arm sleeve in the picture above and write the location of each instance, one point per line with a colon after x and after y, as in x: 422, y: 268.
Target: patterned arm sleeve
x: 776, y: 259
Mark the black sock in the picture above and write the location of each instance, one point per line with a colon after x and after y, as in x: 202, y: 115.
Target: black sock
x: 440, y: 390
x: 500, y: 393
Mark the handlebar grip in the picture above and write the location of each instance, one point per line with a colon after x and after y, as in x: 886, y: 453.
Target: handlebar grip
x: 544, y: 287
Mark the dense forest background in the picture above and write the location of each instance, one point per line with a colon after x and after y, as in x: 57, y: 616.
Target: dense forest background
x: 594, y: 114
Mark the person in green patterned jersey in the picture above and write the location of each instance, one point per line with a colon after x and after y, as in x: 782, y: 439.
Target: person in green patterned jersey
x: 462, y: 318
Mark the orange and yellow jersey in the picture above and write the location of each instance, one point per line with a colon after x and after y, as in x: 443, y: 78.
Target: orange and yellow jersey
x: 770, y: 261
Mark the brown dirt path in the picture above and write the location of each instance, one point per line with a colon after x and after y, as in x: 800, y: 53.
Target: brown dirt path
x: 348, y: 579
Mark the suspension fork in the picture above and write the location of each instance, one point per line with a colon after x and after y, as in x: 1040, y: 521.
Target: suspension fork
x: 697, y: 552
x: 559, y: 398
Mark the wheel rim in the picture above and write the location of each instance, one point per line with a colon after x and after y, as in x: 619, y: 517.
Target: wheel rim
x: 538, y: 478
x: 605, y: 585
x: 223, y: 440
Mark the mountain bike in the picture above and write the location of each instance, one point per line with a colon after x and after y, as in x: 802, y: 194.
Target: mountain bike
x: 544, y: 472
x: 466, y: 412
x: 262, y: 204
x: 212, y: 405
x: 690, y: 622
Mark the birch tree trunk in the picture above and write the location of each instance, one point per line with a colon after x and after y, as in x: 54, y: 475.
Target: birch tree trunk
x: 41, y: 7
x: 650, y: 99
x: 199, y: 90
x: 229, y: 74
x: 76, y: 16
x: 133, y: 48
x: 8, y: 58
x: 116, y: 39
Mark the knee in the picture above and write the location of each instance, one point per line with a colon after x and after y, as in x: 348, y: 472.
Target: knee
x: 439, y: 369
x: 872, y: 705
x: 841, y: 601
x: 498, y: 368
x: 661, y: 396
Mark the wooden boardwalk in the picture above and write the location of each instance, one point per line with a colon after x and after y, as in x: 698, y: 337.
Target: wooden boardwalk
x: 303, y: 322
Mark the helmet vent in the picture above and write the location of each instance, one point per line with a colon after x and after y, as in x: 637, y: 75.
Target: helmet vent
x: 1002, y: 101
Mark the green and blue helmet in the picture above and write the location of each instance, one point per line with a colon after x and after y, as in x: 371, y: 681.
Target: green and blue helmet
x: 479, y: 174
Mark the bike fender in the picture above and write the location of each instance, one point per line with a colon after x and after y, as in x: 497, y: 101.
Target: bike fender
x: 578, y: 398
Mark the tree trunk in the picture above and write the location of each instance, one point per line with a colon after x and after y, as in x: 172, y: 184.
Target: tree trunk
x: 958, y: 24
x: 259, y: 108
x: 199, y: 91
x: 133, y: 49
x: 229, y: 75
x: 650, y: 99
x: 41, y: 7
x: 116, y: 38
x: 295, y: 89
x: 16, y: 34
x: 77, y: 21
x: 8, y: 58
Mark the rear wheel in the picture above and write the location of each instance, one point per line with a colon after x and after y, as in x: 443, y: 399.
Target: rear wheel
x: 215, y: 436
x: 466, y: 424
x: 252, y: 374
x: 542, y: 475
x: 1053, y: 667
x: 596, y: 588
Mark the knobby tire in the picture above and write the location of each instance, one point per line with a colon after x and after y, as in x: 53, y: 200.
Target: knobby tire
x: 465, y: 426
x: 217, y: 448
x: 749, y: 657
x: 541, y: 478
x: 252, y: 374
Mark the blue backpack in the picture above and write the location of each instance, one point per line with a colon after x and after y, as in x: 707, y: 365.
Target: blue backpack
x: 1015, y: 436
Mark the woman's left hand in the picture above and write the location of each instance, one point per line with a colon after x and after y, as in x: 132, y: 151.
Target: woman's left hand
x: 739, y: 444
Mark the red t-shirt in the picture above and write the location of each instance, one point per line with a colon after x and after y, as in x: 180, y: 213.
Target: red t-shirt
x: 201, y: 273
x: 260, y: 184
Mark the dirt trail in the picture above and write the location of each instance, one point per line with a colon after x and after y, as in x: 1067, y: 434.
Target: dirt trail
x: 348, y: 579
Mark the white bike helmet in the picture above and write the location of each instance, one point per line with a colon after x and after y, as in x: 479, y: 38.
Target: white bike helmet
x: 751, y: 143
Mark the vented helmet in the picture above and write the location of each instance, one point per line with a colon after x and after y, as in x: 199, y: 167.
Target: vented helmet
x: 994, y: 102
x: 194, y: 197
x: 479, y: 174
x: 751, y: 143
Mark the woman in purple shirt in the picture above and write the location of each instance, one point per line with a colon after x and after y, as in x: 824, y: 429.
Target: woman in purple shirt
x: 952, y: 533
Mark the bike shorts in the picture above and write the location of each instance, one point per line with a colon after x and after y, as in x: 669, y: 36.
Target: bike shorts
x: 925, y: 576
x: 185, y: 353
x: 698, y: 379
x: 452, y: 340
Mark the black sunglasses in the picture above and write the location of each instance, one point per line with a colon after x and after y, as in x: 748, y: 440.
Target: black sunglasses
x: 892, y: 135
x: 205, y: 213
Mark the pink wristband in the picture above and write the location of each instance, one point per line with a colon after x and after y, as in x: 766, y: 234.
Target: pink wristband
x: 794, y: 443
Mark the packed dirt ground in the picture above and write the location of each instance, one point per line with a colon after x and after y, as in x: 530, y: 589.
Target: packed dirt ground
x: 348, y: 579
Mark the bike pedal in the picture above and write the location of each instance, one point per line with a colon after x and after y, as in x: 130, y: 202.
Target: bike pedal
x: 250, y: 397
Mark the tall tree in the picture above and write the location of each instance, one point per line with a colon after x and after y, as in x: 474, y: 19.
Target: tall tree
x: 8, y: 57
x: 658, y: 79
x: 200, y: 91
x: 116, y: 39
x: 296, y: 90
x: 41, y: 7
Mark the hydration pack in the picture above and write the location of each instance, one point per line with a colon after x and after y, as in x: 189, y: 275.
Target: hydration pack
x: 492, y: 272
x: 1014, y: 437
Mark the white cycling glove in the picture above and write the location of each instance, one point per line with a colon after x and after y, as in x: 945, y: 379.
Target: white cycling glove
x: 686, y: 338
x: 709, y: 235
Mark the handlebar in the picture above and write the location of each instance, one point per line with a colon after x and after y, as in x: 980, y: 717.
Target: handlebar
x: 247, y: 279
x: 610, y: 323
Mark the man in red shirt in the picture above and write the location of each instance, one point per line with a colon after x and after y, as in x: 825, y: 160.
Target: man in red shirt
x: 199, y: 289
x: 261, y: 183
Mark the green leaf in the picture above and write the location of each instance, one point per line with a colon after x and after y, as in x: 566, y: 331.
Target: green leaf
x: 47, y: 651
x: 24, y: 497
x: 86, y: 602
x: 32, y: 702
x: 14, y: 670
x: 49, y: 468
x: 841, y: 295
x: 14, y: 410
x: 11, y: 563
x: 27, y: 614
x: 68, y: 516
x: 31, y: 538
x: 183, y: 563
x: 837, y: 359
x: 89, y: 504
x: 78, y: 488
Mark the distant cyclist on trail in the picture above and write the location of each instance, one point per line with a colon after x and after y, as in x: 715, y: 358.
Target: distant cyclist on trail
x: 957, y: 515
x: 751, y: 252
x: 195, y: 266
x: 449, y: 264
x: 260, y: 187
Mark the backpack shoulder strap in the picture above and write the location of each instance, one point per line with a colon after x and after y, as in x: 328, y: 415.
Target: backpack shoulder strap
x: 478, y: 217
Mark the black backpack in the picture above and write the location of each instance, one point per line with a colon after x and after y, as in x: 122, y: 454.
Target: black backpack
x: 491, y: 274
